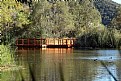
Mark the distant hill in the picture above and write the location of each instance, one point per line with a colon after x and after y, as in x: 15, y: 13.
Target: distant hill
x: 107, y: 8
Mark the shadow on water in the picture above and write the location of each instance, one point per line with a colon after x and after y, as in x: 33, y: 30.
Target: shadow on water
x: 31, y: 73
x: 22, y: 78
x: 108, y: 70
x: 61, y: 72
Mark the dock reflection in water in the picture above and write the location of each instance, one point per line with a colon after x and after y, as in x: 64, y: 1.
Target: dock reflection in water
x: 67, y: 64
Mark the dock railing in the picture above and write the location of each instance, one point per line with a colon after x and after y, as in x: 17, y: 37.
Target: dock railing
x: 49, y: 42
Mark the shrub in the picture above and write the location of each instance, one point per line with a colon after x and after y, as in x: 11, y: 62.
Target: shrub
x: 104, y: 38
x: 6, y: 55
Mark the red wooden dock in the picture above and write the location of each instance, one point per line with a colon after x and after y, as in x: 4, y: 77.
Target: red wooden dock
x: 47, y: 42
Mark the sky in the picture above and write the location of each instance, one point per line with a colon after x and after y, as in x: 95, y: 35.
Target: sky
x: 118, y: 1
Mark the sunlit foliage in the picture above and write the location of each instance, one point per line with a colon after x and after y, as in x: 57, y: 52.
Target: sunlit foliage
x: 14, y: 15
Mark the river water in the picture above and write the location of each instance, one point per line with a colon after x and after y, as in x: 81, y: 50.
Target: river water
x: 61, y: 64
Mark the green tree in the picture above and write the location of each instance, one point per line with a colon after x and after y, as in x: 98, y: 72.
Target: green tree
x: 62, y: 19
x: 85, y: 16
x: 13, y: 15
x: 40, y: 19
x: 52, y: 19
x: 116, y: 22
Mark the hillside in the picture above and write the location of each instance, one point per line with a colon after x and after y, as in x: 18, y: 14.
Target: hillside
x: 63, y: 19
x: 107, y: 8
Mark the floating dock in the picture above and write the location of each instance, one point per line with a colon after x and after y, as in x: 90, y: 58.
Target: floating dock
x: 46, y: 43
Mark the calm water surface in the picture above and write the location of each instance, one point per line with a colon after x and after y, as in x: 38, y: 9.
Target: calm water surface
x: 65, y: 65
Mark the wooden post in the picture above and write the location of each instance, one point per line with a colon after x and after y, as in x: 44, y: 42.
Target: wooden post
x: 66, y: 41
x: 61, y: 41
x: 41, y: 41
x: 71, y: 41
x: 47, y: 42
x: 28, y: 42
x: 44, y: 41
x: 54, y: 41
x: 16, y: 41
x: 22, y: 41
x: 34, y: 42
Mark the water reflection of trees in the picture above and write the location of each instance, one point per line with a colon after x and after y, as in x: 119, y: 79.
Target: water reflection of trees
x: 56, y: 65
x: 63, y: 65
x: 46, y: 64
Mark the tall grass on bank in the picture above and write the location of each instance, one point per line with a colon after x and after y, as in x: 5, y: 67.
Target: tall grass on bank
x: 6, y: 55
x: 100, y: 38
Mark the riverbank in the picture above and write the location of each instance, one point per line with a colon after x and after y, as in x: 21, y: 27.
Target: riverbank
x: 7, y: 60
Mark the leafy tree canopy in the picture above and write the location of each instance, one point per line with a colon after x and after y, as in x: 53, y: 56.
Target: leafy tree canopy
x: 13, y: 13
x: 116, y: 22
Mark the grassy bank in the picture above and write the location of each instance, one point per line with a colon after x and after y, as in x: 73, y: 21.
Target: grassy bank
x: 7, y: 60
